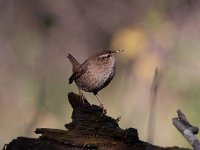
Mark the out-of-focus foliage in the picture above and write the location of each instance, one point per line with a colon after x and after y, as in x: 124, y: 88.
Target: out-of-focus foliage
x: 35, y: 37
x: 133, y: 41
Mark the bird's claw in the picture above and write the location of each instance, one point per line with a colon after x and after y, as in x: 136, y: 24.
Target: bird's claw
x: 101, y: 105
x: 104, y: 111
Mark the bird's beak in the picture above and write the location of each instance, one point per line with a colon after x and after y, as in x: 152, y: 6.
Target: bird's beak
x: 118, y: 51
x: 115, y: 52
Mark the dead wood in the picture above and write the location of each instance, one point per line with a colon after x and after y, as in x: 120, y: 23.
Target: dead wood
x: 89, y: 129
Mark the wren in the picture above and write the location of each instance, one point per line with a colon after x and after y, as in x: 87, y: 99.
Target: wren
x: 95, y: 73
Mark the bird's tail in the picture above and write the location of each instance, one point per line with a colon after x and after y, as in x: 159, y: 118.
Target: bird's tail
x: 73, y: 61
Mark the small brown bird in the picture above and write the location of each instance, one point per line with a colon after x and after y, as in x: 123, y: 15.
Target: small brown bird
x: 95, y: 73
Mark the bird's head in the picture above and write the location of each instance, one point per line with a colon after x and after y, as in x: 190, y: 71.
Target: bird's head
x: 106, y: 54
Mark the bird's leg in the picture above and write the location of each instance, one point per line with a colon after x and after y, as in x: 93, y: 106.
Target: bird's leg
x: 81, y: 95
x: 101, y: 105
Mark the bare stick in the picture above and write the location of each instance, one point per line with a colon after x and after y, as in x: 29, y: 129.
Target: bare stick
x: 187, y: 130
x: 153, y: 97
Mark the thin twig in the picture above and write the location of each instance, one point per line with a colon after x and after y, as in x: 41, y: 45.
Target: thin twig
x: 153, y: 97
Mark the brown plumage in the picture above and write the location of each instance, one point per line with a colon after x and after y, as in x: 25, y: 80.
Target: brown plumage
x: 95, y: 73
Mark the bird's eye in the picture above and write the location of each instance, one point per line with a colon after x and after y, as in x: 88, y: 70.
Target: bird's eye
x: 105, y: 56
x: 108, y: 55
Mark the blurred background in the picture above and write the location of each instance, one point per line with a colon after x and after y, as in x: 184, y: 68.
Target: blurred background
x: 35, y: 37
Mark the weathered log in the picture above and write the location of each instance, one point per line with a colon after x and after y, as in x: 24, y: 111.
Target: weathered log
x: 89, y: 129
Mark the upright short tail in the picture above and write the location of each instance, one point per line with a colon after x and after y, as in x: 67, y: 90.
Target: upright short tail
x: 73, y: 61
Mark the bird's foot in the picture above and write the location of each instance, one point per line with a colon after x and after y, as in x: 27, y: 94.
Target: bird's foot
x: 104, y: 111
x: 82, y: 97
x: 101, y: 105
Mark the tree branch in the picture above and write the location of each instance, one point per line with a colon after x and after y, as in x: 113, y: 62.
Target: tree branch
x: 187, y: 130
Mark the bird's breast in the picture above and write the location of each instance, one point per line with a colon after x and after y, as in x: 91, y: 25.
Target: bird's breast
x: 96, y: 77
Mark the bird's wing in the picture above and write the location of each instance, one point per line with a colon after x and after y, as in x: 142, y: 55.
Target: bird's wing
x: 77, y: 74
